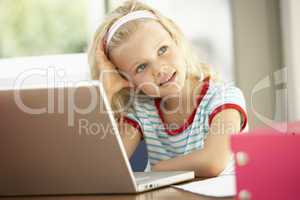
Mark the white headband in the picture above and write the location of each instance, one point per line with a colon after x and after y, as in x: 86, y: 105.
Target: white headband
x: 123, y: 20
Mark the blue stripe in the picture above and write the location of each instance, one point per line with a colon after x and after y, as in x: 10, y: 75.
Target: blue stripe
x: 186, y: 138
x: 178, y: 141
x: 167, y: 148
x: 152, y: 116
x: 163, y: 136
x: 164, y: 143
x: 185, y: 145
x: 172, y: 149
x: 156, y: 123
x: 146, y: 104
x: 148, y: 124
x: 177, y: 153
x: 157, y: 146
x: 159, y: 153
x: 189, y: 149
x: 152, y: 138
x: 154, y: 159
x: 157, y: 157
x: 162, y: 127
x: 146, y: 117
x: 145, y: 108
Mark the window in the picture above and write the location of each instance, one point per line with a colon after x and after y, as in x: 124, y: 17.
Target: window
x: 46, y: 34
x: 34, y: 27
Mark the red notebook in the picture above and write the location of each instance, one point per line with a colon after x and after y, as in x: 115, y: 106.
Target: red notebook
x: 268, y: 163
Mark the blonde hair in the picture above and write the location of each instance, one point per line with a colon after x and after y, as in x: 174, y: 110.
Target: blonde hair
x: 195, y: 67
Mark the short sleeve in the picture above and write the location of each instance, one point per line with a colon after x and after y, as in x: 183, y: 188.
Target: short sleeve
x: 227, y: 97
x: 131, y: 119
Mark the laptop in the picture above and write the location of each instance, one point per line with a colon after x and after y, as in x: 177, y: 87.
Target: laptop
x: 268, y: 163
x: 64, y: 140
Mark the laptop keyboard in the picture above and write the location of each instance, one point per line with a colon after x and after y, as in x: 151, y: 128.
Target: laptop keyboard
x: 142, y: 178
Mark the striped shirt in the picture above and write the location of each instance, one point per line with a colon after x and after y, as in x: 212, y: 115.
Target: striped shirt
x: 164, y: 142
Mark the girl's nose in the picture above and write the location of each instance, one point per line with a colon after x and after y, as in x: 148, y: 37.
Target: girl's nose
x: 159, y: 71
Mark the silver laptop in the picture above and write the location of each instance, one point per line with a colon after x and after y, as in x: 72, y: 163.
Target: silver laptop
x: 64, y: 140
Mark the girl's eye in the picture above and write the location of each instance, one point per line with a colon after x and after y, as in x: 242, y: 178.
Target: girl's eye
x: 141, y: 68
x: 162, y: 50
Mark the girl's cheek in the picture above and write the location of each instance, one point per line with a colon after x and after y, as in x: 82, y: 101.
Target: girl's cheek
x: 138, y: 82
x: 143, y: 83
x: 173, y: 55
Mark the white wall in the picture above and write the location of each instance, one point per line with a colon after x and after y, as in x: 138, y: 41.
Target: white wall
x: 290, y: 19
x: 258, y: 59
x: 96, y: 13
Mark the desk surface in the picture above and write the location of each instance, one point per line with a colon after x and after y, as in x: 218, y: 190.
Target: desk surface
x: 166, y: 193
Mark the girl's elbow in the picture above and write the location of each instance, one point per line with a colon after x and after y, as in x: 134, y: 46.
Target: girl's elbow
x: 217, y: 165
x: 216, y: 169
x: 213, y: 169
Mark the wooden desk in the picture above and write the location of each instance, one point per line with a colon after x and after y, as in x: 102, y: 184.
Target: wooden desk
x: 167, y: 193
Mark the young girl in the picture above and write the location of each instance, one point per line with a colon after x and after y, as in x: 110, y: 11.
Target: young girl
x: 161, y: 93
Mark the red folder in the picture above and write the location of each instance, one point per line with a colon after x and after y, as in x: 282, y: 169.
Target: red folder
x: 268, y: 163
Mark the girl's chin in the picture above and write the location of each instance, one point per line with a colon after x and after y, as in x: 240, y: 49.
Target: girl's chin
x: 165, y: 93
x: 171, y: 91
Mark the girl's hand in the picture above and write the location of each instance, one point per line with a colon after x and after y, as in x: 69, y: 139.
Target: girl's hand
x: 111, y: 79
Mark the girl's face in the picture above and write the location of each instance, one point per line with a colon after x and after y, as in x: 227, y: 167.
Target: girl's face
x: 151, y: 60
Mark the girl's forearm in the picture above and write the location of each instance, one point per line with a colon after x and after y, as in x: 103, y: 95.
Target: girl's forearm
x: 198, y: 161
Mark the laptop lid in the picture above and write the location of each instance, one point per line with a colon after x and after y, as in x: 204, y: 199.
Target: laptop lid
x: 61, y: 141
x: 268, y: 163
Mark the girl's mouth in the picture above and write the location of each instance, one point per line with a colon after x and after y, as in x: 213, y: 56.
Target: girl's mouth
x: 171, y: 79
